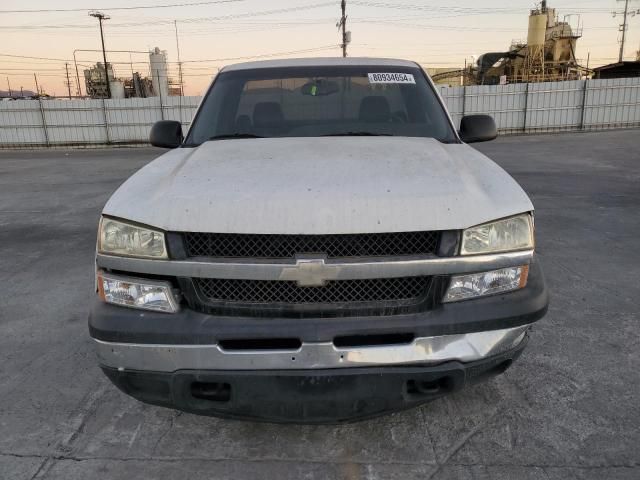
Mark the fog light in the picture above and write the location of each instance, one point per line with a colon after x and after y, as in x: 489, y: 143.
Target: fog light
x: 137, y: 293
x: 482, y: 284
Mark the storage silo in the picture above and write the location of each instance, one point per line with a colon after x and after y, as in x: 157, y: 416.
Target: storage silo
x: 534, y: 62
x: 117, y: 88
x: 159, y: 72
x: 537, y: 29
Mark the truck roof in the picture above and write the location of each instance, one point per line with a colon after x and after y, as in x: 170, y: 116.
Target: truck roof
x: 320, y: 62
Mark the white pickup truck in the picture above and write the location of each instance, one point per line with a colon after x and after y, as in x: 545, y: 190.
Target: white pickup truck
x: 322, y: 246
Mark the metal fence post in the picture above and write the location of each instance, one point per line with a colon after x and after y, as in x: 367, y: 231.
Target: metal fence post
x: 584, y: 103
x: 464, y: 100
x: 106, y: 120
x: 160, y: 96
x: 44, y: 122
x: 526, y: 108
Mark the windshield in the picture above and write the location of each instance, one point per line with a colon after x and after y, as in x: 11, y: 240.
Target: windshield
x: 321, y: 101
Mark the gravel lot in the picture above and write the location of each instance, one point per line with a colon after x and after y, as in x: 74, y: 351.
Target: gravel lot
x: 569, y: 408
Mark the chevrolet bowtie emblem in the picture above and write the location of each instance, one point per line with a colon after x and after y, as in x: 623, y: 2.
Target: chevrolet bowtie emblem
x: 310, y: 272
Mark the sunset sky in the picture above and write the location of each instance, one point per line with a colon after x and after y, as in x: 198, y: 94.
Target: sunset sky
x: 436, y: 34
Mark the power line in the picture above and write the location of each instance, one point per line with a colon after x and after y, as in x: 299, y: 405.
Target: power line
x: 453, y: 12
x: 265, y: 55
x: 453, y: 27
x: 184, y: 20
x: 453, y: 8
x: 140, y: 62
x: 36, y: 58
x: 30, y: 70
x: 247, y: 57
x: 198, y: 31
x: 137, y: 7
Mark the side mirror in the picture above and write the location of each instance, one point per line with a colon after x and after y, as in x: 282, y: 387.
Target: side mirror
x: 478, y: 128
x: 166, y: 134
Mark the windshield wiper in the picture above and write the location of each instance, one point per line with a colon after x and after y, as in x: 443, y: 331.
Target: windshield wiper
x: 234, y: 135
x: 358, y: 134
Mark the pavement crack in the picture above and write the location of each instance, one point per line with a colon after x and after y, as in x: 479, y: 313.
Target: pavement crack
x: 461, y: 443
x: 41, y: 468
x: 425, y: 425
x: 169, y: 459
x: 166, y: 432
x: 86, y: 409
x: 21, y: 455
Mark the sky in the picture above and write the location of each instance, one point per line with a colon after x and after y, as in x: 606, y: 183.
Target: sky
x: 212, y: 34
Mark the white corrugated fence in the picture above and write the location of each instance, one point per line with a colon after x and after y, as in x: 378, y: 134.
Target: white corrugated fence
x: 519, y: 108
x: 550, y: 106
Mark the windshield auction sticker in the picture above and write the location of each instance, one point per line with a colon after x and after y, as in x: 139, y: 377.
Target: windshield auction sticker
x: 391, y: 78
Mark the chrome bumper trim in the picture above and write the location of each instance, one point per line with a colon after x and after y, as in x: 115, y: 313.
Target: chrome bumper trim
x: 331, y: 269
x: 466, y: 347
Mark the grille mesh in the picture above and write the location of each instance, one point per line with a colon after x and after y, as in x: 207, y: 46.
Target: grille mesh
x: 289, y: 293
x: 287, y: 246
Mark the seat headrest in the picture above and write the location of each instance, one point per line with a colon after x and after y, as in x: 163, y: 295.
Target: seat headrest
x: 267, y: 114
x: 375, y: 109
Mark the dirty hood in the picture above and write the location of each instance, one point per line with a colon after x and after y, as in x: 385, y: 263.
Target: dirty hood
x: 319, y: 185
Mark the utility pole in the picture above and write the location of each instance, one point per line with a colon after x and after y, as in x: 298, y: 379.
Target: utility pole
x: 37, y: 87
x: 66, y: 66
x: 9, y: 85
x: 624, y: 30
x: 342, y: 24
x: 175, y: 24
x: 131, y: 64
x: 101, y: 16
x: 625, y: 25
x: 75, y: 62
x: 588, y: 59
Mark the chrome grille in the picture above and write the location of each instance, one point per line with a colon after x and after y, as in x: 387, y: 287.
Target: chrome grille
x: 379, y: 290
x: 232, y: 245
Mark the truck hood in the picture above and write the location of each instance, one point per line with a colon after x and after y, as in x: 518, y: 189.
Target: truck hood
x: 319, y: 185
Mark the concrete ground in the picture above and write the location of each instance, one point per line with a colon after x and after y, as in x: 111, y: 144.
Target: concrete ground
x: 568, y: 409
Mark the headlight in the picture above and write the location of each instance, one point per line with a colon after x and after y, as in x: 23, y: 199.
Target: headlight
x: 137, y: 293
x: 514, y: 233
x: 119, y: 238
x: 464, y: 287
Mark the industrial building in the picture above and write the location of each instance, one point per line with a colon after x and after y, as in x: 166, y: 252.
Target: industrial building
x: 547, y: 55
x: 446, y: 76
x: 622, y: 69
x: 95, y: 80
x: 157, y: 83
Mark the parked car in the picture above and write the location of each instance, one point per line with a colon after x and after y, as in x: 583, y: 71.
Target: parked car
x: 321, y: 246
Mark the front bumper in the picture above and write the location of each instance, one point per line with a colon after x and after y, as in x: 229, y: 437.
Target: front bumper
x: 307, y: 396
x: 467, y: 347
x: 161, y: 358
